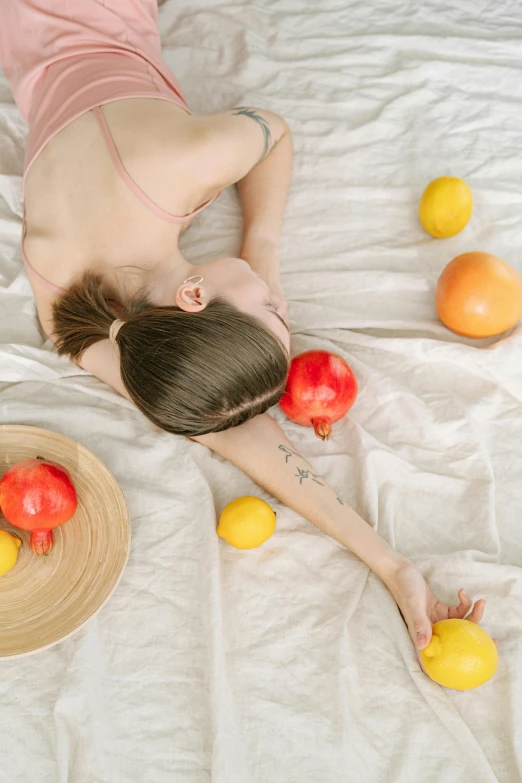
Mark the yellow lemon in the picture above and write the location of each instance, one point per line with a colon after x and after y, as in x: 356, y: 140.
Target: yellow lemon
x: 460, y: 655
x: 9, y: 546
x: 445, y: 207
x: 246, y: 522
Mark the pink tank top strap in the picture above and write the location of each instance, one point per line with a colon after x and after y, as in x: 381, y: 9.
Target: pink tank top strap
x: 138, y: 192
x: 31, y: 271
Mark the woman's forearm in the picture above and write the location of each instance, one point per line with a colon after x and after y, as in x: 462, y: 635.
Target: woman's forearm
x: 263, y: 192
x: 262, y: 451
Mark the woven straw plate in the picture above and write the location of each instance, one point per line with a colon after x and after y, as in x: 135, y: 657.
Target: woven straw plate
x: 45, y: 599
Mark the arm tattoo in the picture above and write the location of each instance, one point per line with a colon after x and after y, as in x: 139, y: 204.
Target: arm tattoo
x: 263, y: 124
x: 339, y: 500
x: 288, y: 453
x: 301, y: 474
x: 305, y: 474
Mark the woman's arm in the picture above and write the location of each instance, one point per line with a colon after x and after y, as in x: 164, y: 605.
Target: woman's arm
x: 253, y: 148
x: 262, y: 451
x: 263, y: 193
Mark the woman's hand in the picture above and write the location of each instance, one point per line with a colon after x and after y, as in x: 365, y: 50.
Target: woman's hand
x: 263, y: 256
x: 419, y: 607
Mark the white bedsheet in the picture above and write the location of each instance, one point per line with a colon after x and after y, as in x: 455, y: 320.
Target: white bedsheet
x: 290, y: 664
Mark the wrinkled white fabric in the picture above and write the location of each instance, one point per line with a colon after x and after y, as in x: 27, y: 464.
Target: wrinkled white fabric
x: 290, y: 663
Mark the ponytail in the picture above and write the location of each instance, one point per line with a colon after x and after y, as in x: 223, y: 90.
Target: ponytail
x: 82, y: 317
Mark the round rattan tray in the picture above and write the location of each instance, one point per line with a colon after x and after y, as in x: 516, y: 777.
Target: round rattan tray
x: 45, y: 599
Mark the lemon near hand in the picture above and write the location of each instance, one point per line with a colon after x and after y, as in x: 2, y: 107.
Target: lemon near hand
x: 246, y: 522
x: 9, y: 546
x: 460, y: 655
x: 445, y: 207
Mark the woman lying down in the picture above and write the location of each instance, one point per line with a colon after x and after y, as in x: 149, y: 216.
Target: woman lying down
x: 116, y: 168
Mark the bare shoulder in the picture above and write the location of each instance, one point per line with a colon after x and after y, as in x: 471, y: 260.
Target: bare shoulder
x: 188, y: 158
x: 158, y: 143
x: 229, y: 144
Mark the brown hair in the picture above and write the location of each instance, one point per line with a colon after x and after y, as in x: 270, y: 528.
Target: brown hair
x: 189, y: 373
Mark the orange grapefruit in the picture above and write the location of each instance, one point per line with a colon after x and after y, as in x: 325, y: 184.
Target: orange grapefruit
x: 479, y: 295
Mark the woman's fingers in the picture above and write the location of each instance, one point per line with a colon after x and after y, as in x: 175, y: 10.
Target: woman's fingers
x: 478, y: 611
x: 460, y: 611
x: 421, y: 634
x: 419, y: 626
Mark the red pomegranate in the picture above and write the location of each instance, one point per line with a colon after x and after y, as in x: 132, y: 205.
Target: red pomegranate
x: 321, y: 388
x: 38, y: 495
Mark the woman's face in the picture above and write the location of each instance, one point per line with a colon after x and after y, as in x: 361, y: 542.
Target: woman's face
x: 233, y: 280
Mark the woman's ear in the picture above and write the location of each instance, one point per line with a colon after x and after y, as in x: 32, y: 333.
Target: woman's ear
x: 191, y: 298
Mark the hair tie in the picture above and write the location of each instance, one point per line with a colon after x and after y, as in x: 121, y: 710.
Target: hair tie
x: 115, y: 328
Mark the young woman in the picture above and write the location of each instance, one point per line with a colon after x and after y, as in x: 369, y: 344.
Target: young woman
x: 116, y: 168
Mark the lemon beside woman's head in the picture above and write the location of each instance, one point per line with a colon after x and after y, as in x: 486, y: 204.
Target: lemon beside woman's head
x: 246, y: 522
x: 445, y: 207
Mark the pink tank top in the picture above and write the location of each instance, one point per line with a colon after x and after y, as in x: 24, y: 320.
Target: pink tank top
x: 65, y: 58
x: 133, y: 186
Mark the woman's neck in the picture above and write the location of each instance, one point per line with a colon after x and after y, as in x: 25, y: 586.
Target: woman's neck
x: 158, y: 281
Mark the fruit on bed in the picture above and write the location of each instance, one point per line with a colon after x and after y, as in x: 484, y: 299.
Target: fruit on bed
x: 321, y: 388
x: 9, y: 546
x: 246, y: 522
x: 445, y: 207
x: 38, y: 495
x: 460, y: 655
x: 479, y: 295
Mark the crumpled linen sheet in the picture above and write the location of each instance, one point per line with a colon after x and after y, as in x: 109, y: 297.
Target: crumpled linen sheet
x: 290, y: 663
